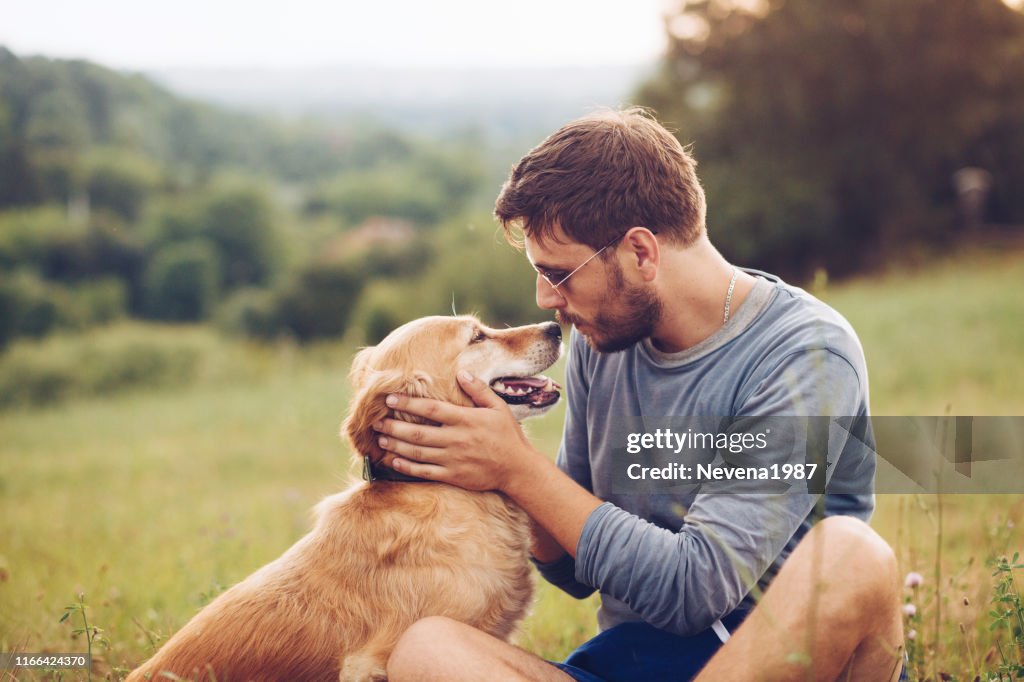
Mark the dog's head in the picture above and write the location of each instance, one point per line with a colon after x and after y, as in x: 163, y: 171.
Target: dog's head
x: 422, y: 358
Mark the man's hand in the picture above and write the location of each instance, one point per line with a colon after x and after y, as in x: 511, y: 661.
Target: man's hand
x: 477, y: 448
x: 484, y: 448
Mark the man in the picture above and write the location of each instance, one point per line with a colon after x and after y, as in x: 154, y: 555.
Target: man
x: 613, y: 220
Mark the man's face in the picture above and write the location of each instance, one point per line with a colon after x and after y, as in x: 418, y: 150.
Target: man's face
x: 610, y: 312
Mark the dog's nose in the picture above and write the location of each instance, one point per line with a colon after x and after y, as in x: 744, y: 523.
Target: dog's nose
x: 553, y: 330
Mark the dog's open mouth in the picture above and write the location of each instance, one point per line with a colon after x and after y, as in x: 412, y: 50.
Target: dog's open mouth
x: 538, y: 391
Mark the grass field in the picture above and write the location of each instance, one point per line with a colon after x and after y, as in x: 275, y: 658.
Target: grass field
x: 151, y: 502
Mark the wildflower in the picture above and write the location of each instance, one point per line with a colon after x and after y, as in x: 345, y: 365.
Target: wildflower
x: 912, y: 635
x: 909, y: 610
x: 913, y: 579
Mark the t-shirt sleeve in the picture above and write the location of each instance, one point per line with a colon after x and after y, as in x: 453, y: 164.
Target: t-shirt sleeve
x: 684, y: 581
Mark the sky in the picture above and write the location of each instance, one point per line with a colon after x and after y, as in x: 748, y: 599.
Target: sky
x: 137, y: 34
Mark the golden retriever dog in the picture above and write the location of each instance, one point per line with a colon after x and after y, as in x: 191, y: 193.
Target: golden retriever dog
x: 385, y: 552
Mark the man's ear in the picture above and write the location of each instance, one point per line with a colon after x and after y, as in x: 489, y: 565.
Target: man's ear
x: 644, y: 251
x: 368, y: 407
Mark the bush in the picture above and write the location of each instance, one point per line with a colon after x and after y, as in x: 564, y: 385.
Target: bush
x: 395, y: 192
x: 237, y: 218
x: 383, y: 307
x: 28, y: 237
x: 45, y: 241
x: 253, y: 313
x: 32, y: 307
x: 182, y: 283
x: 319, y: 300
x: 67, y: 366
x: 121, y: 181
x: 101, y: 301
x: 122, y: 357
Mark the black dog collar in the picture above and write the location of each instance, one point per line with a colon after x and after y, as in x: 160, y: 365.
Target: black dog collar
x: 372, y: 472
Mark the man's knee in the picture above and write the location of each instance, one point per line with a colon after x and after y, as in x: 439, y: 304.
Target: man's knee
x: 425, y: 643
x: 863, y: 559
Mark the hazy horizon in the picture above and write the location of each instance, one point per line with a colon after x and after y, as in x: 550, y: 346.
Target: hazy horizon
x: 228, y: 34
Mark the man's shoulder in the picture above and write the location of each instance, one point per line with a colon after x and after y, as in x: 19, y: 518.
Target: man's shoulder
x: 797, y: 320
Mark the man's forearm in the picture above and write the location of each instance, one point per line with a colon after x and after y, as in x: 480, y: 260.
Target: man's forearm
x: 545, y: 548
x: 558, y: 506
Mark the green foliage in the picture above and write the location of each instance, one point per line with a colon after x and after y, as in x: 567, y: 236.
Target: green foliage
x: 236, y: 218
x: 252, y: 313
x: 44, y: 240
x: 319, y: 299
x: 412, y: 194
x: 32, y: 307
x: 62, y: 367
x: 239, y: 223
x: 384, y: 306
x: 93, y: 635
x: 110, y: 360
x: 829, y: 131
x: 29, y: 236
x: 1008, y: 614
x: 121, y: 181
x: 104, y: 176
x: 475, y: 271
x: 183, y: 282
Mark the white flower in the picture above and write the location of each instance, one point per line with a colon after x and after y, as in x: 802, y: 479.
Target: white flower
x: 909, y: 610
x: 913, y: 579
x: 912, y: 635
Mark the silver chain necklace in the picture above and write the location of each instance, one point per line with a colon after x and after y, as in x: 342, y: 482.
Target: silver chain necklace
x: 728, y: 295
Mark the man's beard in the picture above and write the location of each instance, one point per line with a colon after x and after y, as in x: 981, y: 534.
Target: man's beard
x: 637, y: 311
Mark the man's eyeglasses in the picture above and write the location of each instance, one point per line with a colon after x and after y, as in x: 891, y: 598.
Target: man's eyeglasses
x: 554, y: 277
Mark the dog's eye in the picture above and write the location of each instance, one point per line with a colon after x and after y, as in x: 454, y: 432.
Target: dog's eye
x: 478, y: 337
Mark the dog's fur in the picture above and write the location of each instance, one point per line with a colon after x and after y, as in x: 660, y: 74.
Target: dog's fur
x: 384, y: 554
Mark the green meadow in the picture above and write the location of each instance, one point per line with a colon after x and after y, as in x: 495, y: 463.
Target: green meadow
x: 150, y: 501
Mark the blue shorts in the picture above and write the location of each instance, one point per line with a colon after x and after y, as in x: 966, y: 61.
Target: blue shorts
x: 637, y: 651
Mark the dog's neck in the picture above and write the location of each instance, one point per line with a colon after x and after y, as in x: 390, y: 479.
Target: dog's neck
x: 378, y: 472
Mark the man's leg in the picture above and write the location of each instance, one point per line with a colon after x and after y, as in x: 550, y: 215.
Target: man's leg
x: 832, y: 613
x: 444, y: 650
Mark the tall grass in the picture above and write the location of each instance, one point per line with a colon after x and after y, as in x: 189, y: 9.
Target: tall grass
x: 150, y: 501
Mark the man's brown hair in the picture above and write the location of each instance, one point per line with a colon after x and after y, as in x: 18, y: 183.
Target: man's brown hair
x: 600, y: 175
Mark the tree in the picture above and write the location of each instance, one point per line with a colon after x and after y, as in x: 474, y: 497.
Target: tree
x: 182, y: 282
x: 239, y: 221
x: 318, y: 301
x: 828, y: 130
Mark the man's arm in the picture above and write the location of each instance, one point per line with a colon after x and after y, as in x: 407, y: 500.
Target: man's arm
x: 545, y: 549
x: 726, y: 541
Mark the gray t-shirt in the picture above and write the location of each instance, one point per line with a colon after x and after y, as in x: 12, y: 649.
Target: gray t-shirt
x: 681, y: 561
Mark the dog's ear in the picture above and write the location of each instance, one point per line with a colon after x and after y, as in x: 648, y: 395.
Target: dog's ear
x: 360, y: 363
x: 368, y: 406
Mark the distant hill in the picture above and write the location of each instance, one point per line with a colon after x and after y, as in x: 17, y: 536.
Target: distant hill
x: 501, y: 102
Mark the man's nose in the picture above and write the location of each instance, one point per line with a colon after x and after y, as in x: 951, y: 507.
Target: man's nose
x: 548, y: 297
